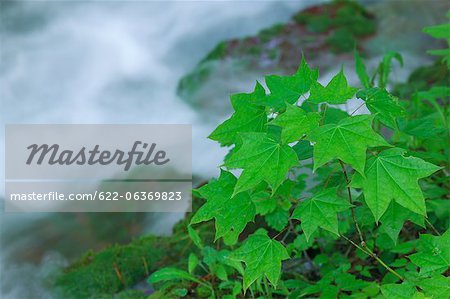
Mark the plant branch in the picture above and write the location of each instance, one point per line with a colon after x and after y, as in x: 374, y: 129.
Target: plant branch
x: 358, y: 229
x: 356, y: 245
x: 354, y: 111
x: 267, y: 288
x: 364, y: 248
x: 329, y: 177
x: 370, y: 253
x: 323, y: 115
x: 432, y: 227
x: 274, y: 237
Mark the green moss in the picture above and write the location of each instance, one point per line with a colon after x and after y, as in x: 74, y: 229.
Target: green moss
x: 269, y: 33
x: 335, y: 26
x: 113, y: 269
x: 217, y: 53
x: 255, y: 50
x: 345, y: 21
x: 273, y: 54
x: 128, y: 294
x: 315, y: 23
x: 203, y: 292
x: 354, y: 18
x: 341, y: 41
x: 110, y: 273
x: 192, y: 82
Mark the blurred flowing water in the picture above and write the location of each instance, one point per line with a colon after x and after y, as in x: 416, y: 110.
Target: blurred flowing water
x: 105, y: 62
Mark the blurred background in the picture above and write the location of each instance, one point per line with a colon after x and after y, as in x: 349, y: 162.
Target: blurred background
x: 166, y: 62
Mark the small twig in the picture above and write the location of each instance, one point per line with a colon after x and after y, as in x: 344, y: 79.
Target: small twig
x: 145, y: 266
x: 329, y: 178
x: 370, y: 253
x: 347, y: 252
x: 364, y: 248
x: 285, y: 235
x: 267, y: 288
x: 119, y: 275
x: 274, y: 237
x: 323, y: 115
x: 384, y: 264
x: 292, y: 226
x: 432, y: 227
x: 357, y: 108
x: 352, y: 208
x: 289, y: 231
x: 356, y: 245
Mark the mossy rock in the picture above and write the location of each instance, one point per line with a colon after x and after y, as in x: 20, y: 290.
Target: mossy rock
x: 325, y: 34
x: 346, y: 15
x: 128, y: 294
x: 335, y: 27
x: 114, y: 271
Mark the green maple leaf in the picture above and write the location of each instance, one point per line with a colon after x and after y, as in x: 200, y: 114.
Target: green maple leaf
x: 262, y: 257
x: 390, y: 175
x: 336, y: 92
x: 169, y: 274
x: 304, y: 149
x: 232, y: 213
x: 289, y: 88
x: 399, y: 291
x: 263, y: 159
x: 264, y: 203
x: 384, y: 105
x: 423, y: 127
x: 194, y: 236
x: 349, y: 282
x: 216, y: 260
x: 320, y: 211
x: 437, y: 286
x: 278, y: 219
x: 384, y: 68
x: 433, y: 254
x: 347, y: 140
x: 295, y: 123
x: 440, y: 31
x: 361, y: 71
x: 395, y: 216
x: 248, y: 117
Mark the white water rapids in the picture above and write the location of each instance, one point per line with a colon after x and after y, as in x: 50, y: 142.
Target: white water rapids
x: 107, y: 62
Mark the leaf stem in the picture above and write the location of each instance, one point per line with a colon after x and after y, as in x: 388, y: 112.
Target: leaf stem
x: 274, y: 237
x: 352, y: 208
x: 356, y: 245
x: 370, y: 253
x: 323, y: 115
x: 432, y: 227
x: 329, y: 177
x: 354, y: 111
x: 364, y: 248
x: 268, y: 291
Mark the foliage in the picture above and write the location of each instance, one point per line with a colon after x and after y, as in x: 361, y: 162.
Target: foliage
x: 441, y: 32
x: 112, y: 270
x: 115, y: 271
x: 311, y: 201
x: 374, y: 183
x: 334, y: 26
x: 345, y: 22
